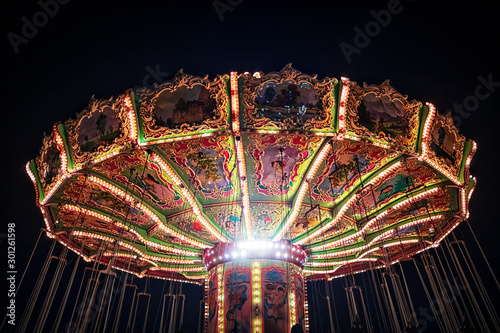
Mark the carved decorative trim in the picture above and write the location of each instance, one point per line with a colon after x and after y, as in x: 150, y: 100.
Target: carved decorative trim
x: 446, y: 123
x: 74, y: 128
x: 406, y: 141
x: 149, y: 100
x: 324, y: 90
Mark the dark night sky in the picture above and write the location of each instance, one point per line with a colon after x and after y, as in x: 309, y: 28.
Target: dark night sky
x: 431, y: 53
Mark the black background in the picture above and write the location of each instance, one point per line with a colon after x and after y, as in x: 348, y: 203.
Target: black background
x: 431, y: 52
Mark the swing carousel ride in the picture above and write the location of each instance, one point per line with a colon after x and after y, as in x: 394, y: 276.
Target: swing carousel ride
x: 253, y: 184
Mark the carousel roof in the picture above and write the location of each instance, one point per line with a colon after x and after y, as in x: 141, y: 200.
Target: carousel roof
x: 359, y: 176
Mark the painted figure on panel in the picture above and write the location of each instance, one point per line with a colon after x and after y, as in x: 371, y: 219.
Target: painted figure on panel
x: 275, y: 300
x: 237, y: 304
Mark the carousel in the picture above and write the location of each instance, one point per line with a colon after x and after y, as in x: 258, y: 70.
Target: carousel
x: 251, y: 185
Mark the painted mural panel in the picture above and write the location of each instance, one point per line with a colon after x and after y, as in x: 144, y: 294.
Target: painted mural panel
x: 288, y: 100
x: 48, y: 163
x: 399, y: 182
x: 208, y: 162
x: 212, y: 303
x: 85, y: 193
x: 186, y: 105
x: 298, y: 102
x: 343, y: 165
x: 99, y: 129
x: 238, y: 300
x: 139, y: 173
x: 275, y: 300
x: 277, y: 160
x: 189, y: 223
x: 267, y: 217
x: 379, y: 112
x: 228, y: 217
x: 298, y: 283
x: 446, y: 144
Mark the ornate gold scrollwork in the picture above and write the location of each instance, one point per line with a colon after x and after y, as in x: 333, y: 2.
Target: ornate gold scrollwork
x: 74, y: 128
x: 406, y: 141
x: 324, y: 90
x: 149, y: 99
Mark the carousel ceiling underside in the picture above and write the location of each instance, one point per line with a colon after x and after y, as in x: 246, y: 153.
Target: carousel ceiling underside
x: 360, y: 176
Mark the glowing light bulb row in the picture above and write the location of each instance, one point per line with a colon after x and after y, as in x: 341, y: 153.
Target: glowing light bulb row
x: 443, y: 236
x: 77, y: 250
x: 426, y: 142
x: 178, y: 138
x: 132, y: 119
x: 62, y: 151
x: 364, y: 229
x: 471, y: 154
x: 53, y: 188
x: 291, y: 297
x: 302, y: 192
x: 178, y: 269
x: 140, y: 253
x: 426, y: 131
x: 191, y: 200
x: 333, y: 221
x: 256, y: 287
x: 306, y: 307
x: 139, y: 205
x: 129, y: 229
x: 381, y: 236
x: 382, y: 175
x: 174, y: 280
x: 87, y: 212
x: 245, y: 197
x: 235, y: 101
x: 256, y: 249
x: 104, y: 157
x: 33, y: 180
x: 414, y: 198
x: 340, y: 262
x: 220, y: 302
x: 47, y: 220
x: 342, y: 107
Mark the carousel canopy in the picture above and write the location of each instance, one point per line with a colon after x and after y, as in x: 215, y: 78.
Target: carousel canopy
x: 349, y: 176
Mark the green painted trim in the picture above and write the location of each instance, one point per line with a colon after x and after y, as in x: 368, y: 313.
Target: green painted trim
x: 141, y: 231
x: 466, y: 152
x: 138, y: 198
x: 136, y: 106
x: 67, y: 149
x: 403, y: 196
x: 355, y: 188
x: 423, y: 114
x: 176, y: 170
x: 295, y: 192
x: 370, y: 236
x: 41, y: 193
x: 338, y: 94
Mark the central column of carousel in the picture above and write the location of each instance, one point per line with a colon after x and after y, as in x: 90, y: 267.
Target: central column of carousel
x: 255, y: 286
